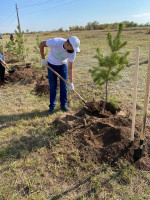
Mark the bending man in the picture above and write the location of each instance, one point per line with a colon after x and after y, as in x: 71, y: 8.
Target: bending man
x: 61, y: 51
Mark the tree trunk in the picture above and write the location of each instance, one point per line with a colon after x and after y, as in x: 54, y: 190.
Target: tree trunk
x: 106, y: 91
x: 106, y: 97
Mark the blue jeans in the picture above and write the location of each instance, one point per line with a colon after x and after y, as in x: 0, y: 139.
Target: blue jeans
x: 2, y: 72
x: 62, y: 70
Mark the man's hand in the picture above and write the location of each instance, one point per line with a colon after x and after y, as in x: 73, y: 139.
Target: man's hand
x: 44, y: 62
x: 71, y: 87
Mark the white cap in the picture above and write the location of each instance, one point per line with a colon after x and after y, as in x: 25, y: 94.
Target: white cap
x: 75, y: 42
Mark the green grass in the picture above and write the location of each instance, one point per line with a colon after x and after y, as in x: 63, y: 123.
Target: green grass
x: 36, y: 163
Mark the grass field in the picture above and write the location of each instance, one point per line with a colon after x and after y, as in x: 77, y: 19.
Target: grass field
x: 33, y: 158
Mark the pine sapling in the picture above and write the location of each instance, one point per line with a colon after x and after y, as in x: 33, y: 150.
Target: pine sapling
x: 110, y: 66
x: 17, y: 46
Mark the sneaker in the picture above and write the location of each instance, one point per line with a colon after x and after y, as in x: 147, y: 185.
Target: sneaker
x: 3, y: 82
x: 65, y: 108
x: 51, y: 110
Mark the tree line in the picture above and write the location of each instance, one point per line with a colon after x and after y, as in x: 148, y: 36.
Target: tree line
x: 93, y: 26
x: 97, y: 26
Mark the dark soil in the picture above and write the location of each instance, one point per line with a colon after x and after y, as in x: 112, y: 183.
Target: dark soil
x: 28, y: 75
x: 104, y: 138
x: 42, y: 86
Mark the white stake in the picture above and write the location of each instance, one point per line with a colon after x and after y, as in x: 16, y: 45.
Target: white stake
x: 146, y: 100
x: 135, y: 92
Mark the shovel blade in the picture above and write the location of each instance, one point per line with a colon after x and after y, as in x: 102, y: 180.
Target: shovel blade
x: 11, y: 71
x: 138, y: 152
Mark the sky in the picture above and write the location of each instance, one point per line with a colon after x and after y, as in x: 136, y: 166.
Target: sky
x: 49, y: 15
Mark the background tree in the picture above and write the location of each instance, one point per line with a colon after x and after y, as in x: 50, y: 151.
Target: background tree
x: 27, y: 30
x: 95, y: 25
x: 110, y: 66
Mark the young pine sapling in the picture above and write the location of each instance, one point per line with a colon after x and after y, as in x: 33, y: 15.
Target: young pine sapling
x: 110, y: 66
x: 16, y: 46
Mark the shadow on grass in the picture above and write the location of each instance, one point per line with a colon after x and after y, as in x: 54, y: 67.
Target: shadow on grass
x: 25, y: 116
x: 9, y: 120
x: 141, y: 63
x: 20, y: 147
x: 17, y: 147
x: 95, y: 188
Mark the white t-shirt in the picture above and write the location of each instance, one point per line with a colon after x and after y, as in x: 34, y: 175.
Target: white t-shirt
x: 58, y: 55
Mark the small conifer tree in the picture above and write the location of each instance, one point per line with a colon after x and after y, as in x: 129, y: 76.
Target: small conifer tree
x: 17, y: 46
x: 110, y: 65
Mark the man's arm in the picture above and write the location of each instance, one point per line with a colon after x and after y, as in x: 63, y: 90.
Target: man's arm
x: 42, y: 45
x: 70, y: 71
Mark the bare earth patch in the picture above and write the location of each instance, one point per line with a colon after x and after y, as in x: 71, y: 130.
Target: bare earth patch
x: 103, y: 138
x: 29, y: 75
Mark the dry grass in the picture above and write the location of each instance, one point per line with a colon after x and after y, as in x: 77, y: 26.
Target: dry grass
x: 33, y: 159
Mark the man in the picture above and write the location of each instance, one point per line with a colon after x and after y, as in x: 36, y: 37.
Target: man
x: 61, y: 50
x: 11, y: 37
x: 2, y: 71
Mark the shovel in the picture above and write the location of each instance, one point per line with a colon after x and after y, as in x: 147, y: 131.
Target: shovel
x: 66, y: 83
x: 135, y: 94
x: 138, y: 152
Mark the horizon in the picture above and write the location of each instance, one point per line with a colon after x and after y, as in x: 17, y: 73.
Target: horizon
x: 40, y: 31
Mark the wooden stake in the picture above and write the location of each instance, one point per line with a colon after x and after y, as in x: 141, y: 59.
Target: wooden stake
x: 146, y: 100
x: 135, y: 92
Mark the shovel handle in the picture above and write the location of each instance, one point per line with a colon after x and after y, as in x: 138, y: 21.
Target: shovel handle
x: 135, y: 92
x: 146, y: 100
x: 66, y: 83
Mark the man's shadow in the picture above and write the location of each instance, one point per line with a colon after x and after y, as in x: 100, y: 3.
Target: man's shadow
x: 16, y: 147
x: 10, y: 120
x: 141, y: 63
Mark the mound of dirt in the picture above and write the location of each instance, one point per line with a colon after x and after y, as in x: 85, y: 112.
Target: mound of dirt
x: 104, y: 138
x: 42, y: 86
x: 28, y: 75
x: 23, y: 75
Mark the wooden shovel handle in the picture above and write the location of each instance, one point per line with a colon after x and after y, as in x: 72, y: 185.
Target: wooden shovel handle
x: 146, y: 100
x: 66, y: 83
x: 135, y: 92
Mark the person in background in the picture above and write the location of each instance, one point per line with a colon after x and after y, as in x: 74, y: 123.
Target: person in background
x: 11, y: 37
x: 61, y: 50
